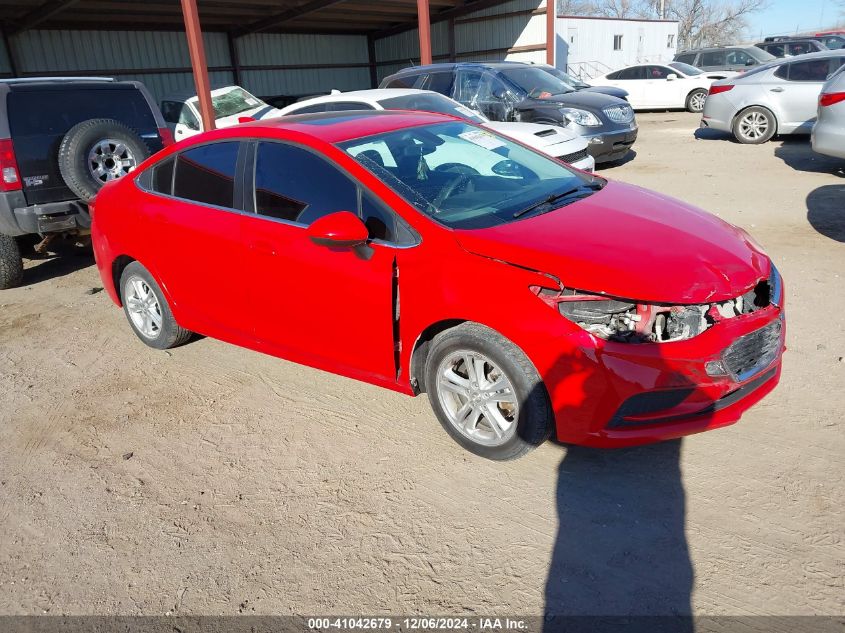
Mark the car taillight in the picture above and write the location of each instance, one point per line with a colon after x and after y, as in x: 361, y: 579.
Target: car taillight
x: 166, y: 136
x: 714, y: 90
x: 831, y: 98
x: 10, y: 179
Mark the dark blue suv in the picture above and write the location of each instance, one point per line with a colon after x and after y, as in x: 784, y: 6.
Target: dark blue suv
x: 515, y: 91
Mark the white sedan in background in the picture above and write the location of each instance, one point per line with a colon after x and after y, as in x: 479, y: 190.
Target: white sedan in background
x: 672, y: 85
x: 553, y: 140
x: 232, y: 103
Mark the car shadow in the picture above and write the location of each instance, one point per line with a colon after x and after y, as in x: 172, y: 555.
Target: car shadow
x: 709, y: 134
x: 66, y: 261
x: 621, y: 547
x: 631, y: 155
x: 826, y: 211
x: 798, y: 153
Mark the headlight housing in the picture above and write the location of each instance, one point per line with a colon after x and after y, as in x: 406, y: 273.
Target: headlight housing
x: 629, y: 321
x: 580, y: 117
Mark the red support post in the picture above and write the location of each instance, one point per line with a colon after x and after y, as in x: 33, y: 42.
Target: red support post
x: 550, y: 31
x: 196, y: 48
x: 425, y: 31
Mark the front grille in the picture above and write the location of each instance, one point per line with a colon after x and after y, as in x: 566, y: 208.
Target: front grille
x: 620, y: 113
x: 574, y: 157
x: 753, y: 352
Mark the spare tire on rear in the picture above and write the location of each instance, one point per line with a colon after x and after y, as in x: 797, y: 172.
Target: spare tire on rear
x: 97, y: 151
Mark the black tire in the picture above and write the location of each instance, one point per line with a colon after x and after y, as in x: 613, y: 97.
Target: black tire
x: 535, y: 419
x: 693, y: 104
x: 739, y: 125
x: 169, y: 334
x: 82, y: 139
x: 11, y: 264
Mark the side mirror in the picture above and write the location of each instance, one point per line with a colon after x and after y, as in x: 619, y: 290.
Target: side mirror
x: 341, y: 229
x: 750, y: 62
x: 671, y: 77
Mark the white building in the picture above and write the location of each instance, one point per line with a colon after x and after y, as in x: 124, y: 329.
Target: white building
x: 588, y: 47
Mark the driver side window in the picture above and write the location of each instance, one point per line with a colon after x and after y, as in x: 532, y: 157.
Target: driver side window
x: 296, y: 185
x: 177, y: 112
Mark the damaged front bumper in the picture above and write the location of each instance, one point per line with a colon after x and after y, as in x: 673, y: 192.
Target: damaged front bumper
x: 613, y: 394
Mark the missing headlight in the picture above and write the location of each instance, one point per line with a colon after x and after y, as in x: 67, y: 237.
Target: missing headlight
x: 620, y: 320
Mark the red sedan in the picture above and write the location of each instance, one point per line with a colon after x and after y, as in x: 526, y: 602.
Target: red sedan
x: 424, y: 254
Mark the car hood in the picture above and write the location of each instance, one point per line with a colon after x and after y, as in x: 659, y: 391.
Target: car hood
x: 583, y: 99
x: 619, y: 93
x: 631, y: 243
x: 537, y: 135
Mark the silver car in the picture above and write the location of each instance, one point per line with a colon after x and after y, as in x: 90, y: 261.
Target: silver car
x: 829, y: 130
x: 777, y: 98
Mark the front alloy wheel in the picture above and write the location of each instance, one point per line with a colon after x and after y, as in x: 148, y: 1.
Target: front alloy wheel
x: 477, y: 397
x: 485, y: 392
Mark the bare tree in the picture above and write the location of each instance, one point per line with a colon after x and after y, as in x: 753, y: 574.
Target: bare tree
x: 712, y: 22
x: 700, y: 22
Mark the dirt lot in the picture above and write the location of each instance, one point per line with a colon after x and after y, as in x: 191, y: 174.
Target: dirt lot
x: 215, y: 480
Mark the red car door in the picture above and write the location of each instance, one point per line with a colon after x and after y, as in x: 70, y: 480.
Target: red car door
x: 328, y: 307
x: 197, y: 238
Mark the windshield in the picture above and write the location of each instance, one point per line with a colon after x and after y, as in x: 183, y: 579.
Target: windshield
x: 233, y: 102
x: 566, y: 78
x: 688, y: 70
x: 429, y: 102
x: 535, y: 82
x: 466, y: 177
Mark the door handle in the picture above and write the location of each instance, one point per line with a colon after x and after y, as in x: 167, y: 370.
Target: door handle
x: 265, y: 248
x: 777, y: 89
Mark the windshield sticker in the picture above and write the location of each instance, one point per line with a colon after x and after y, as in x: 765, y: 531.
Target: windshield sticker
x: 482, y: 139
x: 251, y: 101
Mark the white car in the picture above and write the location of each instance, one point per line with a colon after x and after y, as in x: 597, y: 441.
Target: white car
x: 181, y: 110
x: 672, y: 85
x: 553, y: 140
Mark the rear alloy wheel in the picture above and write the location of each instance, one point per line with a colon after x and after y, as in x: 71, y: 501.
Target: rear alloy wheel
x: 696, y: 99
x: 147, y: 310
x: 754, y: 126
x: 486, y: 393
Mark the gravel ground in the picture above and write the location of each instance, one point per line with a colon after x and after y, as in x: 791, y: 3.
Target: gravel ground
x: 215, y: 480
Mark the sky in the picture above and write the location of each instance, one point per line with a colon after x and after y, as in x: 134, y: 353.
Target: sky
x: 785, y: 16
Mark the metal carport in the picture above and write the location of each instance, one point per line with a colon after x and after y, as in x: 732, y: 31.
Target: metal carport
x: 376, y: 21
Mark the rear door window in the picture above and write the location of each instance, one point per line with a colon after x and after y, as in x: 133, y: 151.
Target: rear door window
x: 206, y: 174
x: 812, y: 70
x: 713, y: 58
x: 688, y: 58
x: 637, y: 72
x: 738, y: 58
x: 404, y: 81
x: 438, y: 82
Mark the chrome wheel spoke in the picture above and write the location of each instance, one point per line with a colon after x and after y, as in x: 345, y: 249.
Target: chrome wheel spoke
x: 155, y: 317
x: 455, y: 383
x: 477, y: 397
